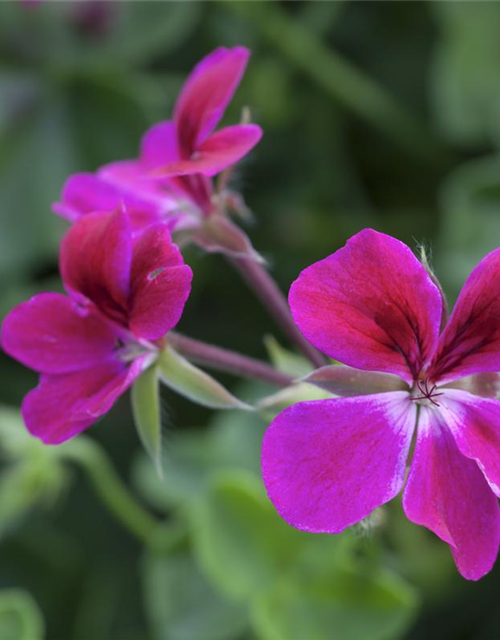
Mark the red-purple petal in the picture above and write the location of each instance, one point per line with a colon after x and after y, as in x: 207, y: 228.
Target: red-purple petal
x: 159, y: 145
x: 447, y: 493
x: 53, y: 334
x: 328, y: 464
x: 84, y: 193
x: 221, y: 150
x: 370, y: 305
x: 470, y: 342
x: 95, y: 261
x: 475, y: 424
x: 206, y: 94
x: 160, y: 284
x: 64, y: 405
x: 146, y: 201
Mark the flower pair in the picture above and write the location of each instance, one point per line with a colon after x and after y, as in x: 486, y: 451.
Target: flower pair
x: 328, y: 464
x: 171, y: 181
x: 126, y: 280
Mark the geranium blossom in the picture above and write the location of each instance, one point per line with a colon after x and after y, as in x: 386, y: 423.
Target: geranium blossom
x: 125, y: 294
x: 328, y: 464
x: 170, y: 181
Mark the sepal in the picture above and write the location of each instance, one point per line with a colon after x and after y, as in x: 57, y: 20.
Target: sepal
x: 194, y: 384
x: 218, y: 234
x: 146, y: 408
x: 345, y: 381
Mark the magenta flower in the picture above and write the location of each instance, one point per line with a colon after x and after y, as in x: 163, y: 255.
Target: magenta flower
x: 187, y: 144
x: 89, y: 346
x: 328, y: 464
x: 170, y: 182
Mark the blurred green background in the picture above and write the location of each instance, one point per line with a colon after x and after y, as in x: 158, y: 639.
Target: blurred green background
x: 383, y: 114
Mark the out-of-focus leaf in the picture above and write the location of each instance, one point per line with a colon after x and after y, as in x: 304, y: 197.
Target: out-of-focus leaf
x: 20, y: 616
x: 465, y: 73
x: 194, y: 384
x: 180, y: 603
x: 232, y: 441
x: 470, y: 201
x: 241, y: 542
x: 109, y: 119
x: 346, y: 603
x: 147, y: 414
x: 33, y: 166
x: 287, y: 361
x: 143, y: 30
x: 33, y: 476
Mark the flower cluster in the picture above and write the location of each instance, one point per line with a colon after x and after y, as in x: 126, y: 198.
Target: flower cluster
x: 408, y: 373
x: 126, y: 280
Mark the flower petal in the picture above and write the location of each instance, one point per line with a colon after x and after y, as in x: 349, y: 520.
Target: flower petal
x: 159, y: 145
x: 53, y: 334
x: 475, y: 424
x: 328, y: 464
x: 64, y: 405
x: 160, y: 284
x: 85, y: 193
x: 206, y: 94
x: 221, y: 150
x: 447, y: 493
x: 370, y: 305
x: 95, y: 261
x: 470, y: 342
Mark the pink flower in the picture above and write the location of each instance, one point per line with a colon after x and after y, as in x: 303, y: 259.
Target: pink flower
x: 89, y: 346
x: 328, y: 464
x: 170, y: 182
x: 187, y: 145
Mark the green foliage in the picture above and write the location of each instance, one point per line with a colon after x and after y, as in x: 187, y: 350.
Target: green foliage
x: 20, y: 617
x: 147, y: 413
x: 182, y: 604
x: 241, y: 541
x: 374, y: 114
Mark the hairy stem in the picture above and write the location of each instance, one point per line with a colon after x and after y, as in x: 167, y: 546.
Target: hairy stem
x: 227, y: 361
x: 266, y: 289
x: 111, y: 490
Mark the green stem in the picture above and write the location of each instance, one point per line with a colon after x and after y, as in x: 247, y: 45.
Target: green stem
x: 111, y: 490
x: 341, y: 79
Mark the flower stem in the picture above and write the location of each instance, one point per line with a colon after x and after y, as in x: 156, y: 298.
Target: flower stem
x: 111, y: 490
x: 266, y: 289
x: 227, y: 361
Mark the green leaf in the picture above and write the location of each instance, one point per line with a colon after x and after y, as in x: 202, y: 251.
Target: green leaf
x: 182, y: 605
x: 241, y: 542
x: 233, y: 440
x: 145, y: 30
x: 147, y: 414
x: 470, y: 225
x: 20, y: 616
x: 187, y: 380
x: 287, y: 361
x: 34, y: 474
x: 336, y: 592
x: 464, y: 79
x: 29, y: 231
